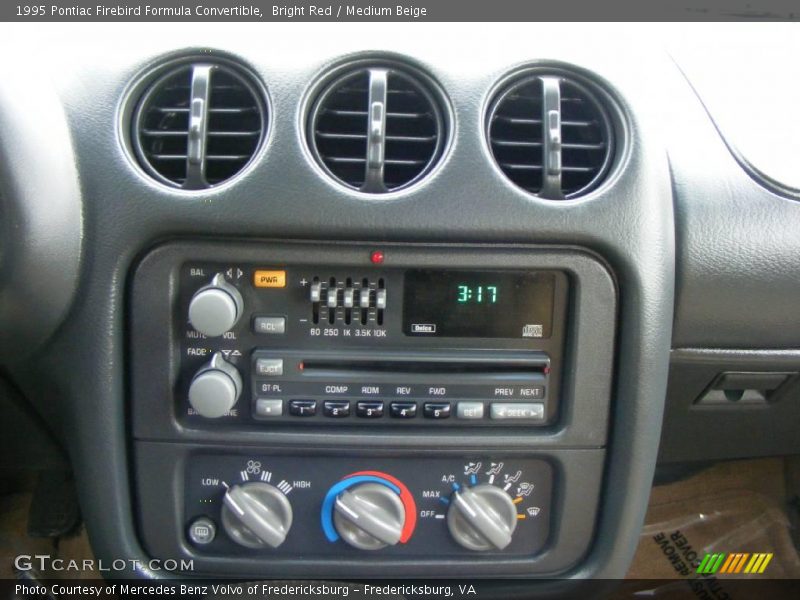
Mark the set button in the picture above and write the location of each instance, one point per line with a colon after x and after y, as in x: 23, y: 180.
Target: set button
x: 369, y: 409
x: 403, y: 410
x: 469, y: 410
x: 436, y: 410
x: 303, y: 408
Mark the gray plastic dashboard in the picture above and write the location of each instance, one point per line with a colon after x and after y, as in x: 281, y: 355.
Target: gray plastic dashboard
x: 662, y: 224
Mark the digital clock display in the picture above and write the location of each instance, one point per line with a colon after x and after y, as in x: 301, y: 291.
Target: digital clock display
x: 478, y: 294
x: 492, y: 304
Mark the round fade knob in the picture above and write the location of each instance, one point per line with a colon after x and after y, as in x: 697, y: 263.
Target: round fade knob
x: 482, y: 518
x: 215, y: 388
x: 216, y: 307
x: 369, y: 516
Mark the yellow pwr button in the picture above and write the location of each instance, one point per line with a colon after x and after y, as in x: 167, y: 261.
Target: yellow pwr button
x: 269, y: 279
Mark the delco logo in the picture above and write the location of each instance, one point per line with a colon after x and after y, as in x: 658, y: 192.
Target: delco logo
x: 423, y: 328
x: 732, y: 563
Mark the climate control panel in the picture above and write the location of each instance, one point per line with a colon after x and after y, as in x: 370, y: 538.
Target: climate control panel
x: 284, y: 506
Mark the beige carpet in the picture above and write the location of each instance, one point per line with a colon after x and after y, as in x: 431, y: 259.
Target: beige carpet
x: 14, y: 540
x: 733, y: 507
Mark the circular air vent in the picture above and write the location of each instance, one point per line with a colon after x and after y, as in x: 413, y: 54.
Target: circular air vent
x: 377, y: 129
x: 198, y: 125
x: 551, y: 135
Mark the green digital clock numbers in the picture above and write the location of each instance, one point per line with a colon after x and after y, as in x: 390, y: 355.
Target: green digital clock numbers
x: 477, y: 294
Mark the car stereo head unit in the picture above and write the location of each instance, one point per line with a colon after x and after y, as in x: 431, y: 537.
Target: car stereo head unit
x: 368, y: 345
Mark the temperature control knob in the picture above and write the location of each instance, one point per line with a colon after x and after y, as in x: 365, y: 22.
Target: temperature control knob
x: 369, y: 516
x: 216, y: 307
x: 482, y: 517
x: 215, y: 388
x: 256, y: 515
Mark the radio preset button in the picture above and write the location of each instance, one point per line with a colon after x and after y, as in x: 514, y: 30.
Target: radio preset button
x: 303, y: 408
x: 336, y: 408
x: 469, y: 410
x: 517, y: 410
x: 369, y: 410
x: 269, y: 367
x: 436, y: 410
x: 403, y: 410
x: 270, y: 325
x: 269, y: 407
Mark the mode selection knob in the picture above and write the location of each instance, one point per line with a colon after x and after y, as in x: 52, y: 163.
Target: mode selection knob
x: 215, y: 388
x: 482, y: 517
x: 216, y: 307
x: 369, y: 516
x: 256, y: 515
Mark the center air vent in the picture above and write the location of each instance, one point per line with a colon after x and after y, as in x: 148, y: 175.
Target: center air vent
x: 551, y: 135
x: 199, y: 125
x: 377, y: 129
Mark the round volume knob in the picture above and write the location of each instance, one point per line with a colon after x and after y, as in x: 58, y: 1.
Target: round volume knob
x: 369, y: 516
x: 215, y: 388
x: 216, y: 307
x: 482, y: 518
x: 256, y: 515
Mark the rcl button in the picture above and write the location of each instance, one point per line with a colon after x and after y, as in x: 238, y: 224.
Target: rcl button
x: 270, y: 325
x: 521, y: 410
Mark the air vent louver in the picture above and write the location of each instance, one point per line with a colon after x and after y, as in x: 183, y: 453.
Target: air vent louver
x: 550, y: 135
x: 199, y: 125
x: 377, y: 129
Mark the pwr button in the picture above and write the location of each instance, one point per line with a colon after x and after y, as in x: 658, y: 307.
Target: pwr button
x: 269, y: 279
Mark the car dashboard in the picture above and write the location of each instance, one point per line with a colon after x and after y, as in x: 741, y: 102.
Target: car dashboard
x: 429, y: 301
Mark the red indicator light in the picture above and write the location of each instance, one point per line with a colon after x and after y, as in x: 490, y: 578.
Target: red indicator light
x: 301, y: 366
x: 377, y: 257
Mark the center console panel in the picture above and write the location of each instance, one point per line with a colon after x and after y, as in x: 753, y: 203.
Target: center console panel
x: 440, y: 409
